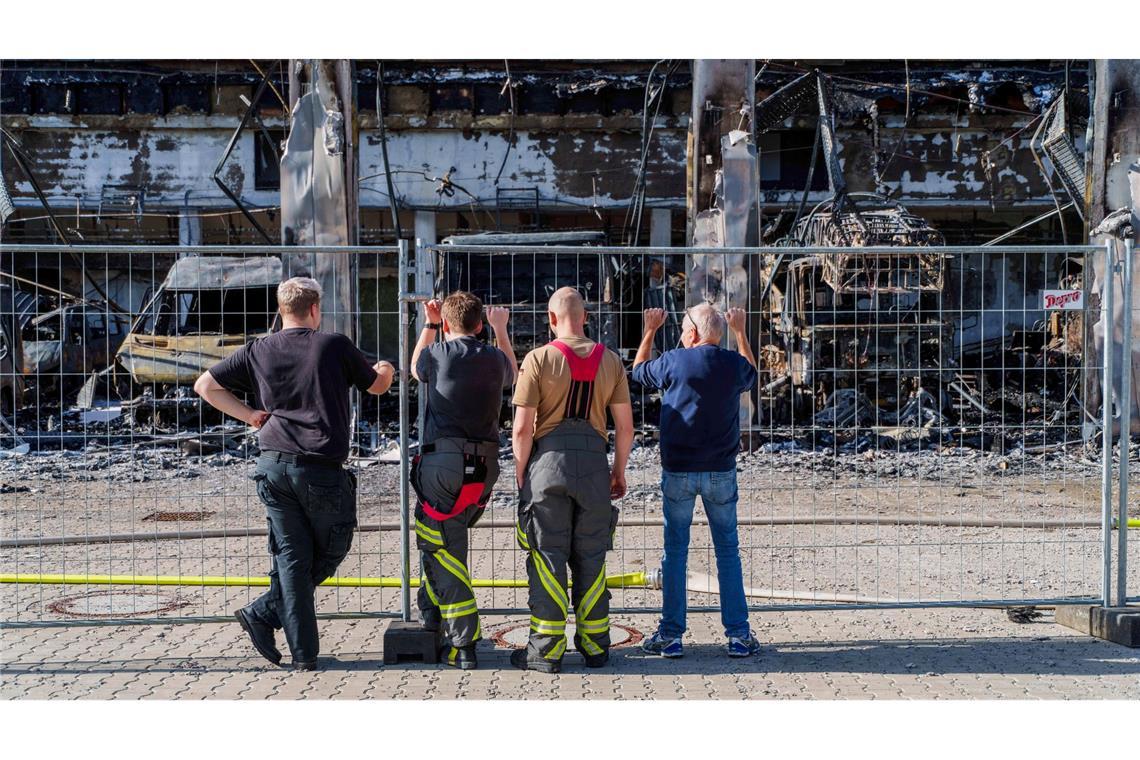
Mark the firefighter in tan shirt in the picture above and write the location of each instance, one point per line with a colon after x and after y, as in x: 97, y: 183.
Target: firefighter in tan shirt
x: 566, y: 516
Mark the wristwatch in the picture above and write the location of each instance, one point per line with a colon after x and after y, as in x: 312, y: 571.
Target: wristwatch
x: 433, y: 325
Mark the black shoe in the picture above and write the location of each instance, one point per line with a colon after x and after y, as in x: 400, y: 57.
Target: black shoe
x: 298, y: 665
x: 519, y: 660
x: 597, y: 660
x: 460, y: 657
x: 261, y: 635
x: 430, y: 620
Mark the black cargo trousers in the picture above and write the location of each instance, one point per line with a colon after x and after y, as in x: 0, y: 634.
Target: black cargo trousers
x: 311, y: 510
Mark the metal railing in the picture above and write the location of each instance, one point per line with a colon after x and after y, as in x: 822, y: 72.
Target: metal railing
x: 926, y: 433
x: 125, y: 499
x: 903, y: 448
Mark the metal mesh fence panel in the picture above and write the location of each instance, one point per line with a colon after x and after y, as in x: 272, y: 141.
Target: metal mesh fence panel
x: 907, y: 444
x: 124, y: 496
x: 913, y: 440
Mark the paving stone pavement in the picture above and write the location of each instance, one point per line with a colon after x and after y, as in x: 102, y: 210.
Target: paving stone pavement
x: 898, y: 654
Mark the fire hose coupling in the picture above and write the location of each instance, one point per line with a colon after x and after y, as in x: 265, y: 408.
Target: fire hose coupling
x: 653, y: 579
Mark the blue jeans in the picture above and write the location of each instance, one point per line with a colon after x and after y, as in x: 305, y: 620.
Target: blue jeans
x: 718, y: 495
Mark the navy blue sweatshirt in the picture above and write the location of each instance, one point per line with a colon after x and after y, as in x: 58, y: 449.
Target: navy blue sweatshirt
x: 700, y: 410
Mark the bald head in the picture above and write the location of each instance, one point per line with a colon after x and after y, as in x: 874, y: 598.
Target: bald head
x: 567, y: 303
x: 567, y: 312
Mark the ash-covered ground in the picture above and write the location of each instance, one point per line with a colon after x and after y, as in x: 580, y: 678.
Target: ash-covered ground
x: 816, y: 525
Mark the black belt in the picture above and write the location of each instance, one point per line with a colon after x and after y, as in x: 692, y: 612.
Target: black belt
x: 487, y: 448
x: 301, y: 459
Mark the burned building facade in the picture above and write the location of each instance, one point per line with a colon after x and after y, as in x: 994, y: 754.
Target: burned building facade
x: 127, y: 150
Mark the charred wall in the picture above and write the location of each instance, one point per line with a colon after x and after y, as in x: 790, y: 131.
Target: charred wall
x: 569, y: 132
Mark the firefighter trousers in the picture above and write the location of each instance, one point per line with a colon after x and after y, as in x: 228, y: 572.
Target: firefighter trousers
x: 445, y: 591
x: 565, y: 520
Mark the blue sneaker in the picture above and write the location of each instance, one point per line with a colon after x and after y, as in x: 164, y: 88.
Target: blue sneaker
x: 738, y: 647
x: 658, y: 644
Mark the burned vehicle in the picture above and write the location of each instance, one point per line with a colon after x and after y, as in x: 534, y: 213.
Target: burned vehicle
x: 64, y: 345
x: 855, y: 337
x: 11, y: 356
x: 205, y: 309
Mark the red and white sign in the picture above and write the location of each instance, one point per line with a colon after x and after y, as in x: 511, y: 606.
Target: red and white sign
x: 1068, y: 300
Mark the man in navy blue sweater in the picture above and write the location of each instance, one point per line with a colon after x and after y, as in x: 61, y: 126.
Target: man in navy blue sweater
x: 700, y: 438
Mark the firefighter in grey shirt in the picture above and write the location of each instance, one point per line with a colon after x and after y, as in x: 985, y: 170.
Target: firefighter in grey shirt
x: 458, y: 465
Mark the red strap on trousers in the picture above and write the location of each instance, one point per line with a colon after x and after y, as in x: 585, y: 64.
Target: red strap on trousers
x: 468, y: 497
x: 474, y: 481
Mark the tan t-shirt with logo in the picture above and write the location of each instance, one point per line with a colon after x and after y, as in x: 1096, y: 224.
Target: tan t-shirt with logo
x: 544, y: 383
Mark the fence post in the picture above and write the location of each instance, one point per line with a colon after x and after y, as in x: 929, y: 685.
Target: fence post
x: 1106, y: 304
x: 402, y: 342
x: 423, y: 285
x: 1125, y: 430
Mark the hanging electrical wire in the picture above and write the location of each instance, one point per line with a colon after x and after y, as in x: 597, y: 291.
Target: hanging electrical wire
x: 902, y: 135
x: 272, y: 86
x: 509, y: 88
x: 631, y: 226
x: 393, y: 200
x: 810, y: 177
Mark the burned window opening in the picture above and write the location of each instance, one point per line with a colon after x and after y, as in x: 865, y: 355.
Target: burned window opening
x: 267, y: 160
x: 237, y: 311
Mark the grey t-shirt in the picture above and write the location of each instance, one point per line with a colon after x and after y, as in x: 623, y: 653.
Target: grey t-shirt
x: 465, y: 379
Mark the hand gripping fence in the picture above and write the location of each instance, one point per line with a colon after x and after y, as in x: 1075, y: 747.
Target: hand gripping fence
x: 930, y: 427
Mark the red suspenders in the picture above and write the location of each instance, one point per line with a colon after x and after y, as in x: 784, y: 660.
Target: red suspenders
x: 583, y: 371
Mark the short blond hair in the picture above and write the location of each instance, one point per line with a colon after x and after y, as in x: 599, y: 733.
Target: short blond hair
x: 297, y: 295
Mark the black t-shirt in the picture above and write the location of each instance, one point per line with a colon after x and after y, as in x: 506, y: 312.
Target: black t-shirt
x: 465, y: 379
x: 301, y: 377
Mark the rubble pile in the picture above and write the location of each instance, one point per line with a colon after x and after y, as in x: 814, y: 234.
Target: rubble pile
x: 947, y: 464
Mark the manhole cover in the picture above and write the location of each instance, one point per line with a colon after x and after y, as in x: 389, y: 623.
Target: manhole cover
x: 514, y: 634
x: 178, y: 516
x: 108, y: 604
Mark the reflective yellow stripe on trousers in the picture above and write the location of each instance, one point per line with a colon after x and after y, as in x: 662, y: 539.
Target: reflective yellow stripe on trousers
x: 585, y: 626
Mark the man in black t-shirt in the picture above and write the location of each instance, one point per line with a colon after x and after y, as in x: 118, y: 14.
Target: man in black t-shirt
x: 300, y: 380
x: 458, y: 465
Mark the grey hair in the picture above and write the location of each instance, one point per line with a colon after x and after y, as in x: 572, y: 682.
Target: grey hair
x: 709, y: 322
x: 297, y: 295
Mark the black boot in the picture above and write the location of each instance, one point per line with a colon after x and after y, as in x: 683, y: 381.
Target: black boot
x: 460, y: 657
x: 262, y: 636
x: 430, y: 619
x: 520, y: 660
x: 597, y: 660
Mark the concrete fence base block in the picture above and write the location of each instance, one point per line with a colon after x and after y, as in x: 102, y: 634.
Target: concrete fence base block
x: 405, y: 642
x: 1120, y: 625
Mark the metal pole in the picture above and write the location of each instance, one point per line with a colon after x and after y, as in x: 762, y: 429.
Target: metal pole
x: 405, y: 548
x: 1125, y: 432
x: 423, y: 285
x: 1106, y: 429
